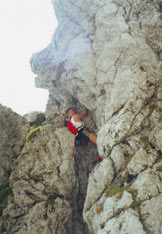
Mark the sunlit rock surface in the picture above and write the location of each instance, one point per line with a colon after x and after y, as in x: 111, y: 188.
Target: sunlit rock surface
x: 107, y: 56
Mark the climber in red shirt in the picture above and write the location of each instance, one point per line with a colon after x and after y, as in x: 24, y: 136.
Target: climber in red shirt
x: 76, y: 126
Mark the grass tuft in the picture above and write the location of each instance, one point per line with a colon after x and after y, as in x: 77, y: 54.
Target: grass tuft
x: 117, y: 186
x: 117, y: 189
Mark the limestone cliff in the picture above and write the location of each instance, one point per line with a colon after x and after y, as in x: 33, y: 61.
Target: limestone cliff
x: 107, y: 56
x: 47, y: 182
x: 13, y: 129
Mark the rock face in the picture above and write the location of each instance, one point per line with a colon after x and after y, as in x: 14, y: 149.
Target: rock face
x: 40, y: 181
x: 48, y: 180
x: 13, y: 129
x: 107, y: 56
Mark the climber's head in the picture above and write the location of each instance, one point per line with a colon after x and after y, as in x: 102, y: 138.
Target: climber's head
x: 70, y: 112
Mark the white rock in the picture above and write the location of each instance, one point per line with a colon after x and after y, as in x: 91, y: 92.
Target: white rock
x: 102, y: 177
x: 141, y: 160
x: 151, y: 213
x: 106, y: 55
x: 148, y: 185
x: 105, y: 209
x: 127, y: 222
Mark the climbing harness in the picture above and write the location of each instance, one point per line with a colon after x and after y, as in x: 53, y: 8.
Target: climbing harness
x: 80, y: 132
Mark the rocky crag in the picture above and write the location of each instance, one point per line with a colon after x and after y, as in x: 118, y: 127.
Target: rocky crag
x: 107, y: 56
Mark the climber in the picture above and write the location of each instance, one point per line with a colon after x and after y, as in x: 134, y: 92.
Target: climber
x: 76, y: 126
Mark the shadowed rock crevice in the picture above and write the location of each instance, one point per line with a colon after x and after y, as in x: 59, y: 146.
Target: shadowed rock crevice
x: 86, y: 158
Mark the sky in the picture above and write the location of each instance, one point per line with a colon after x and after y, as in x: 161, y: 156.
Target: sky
x: 26, y: 27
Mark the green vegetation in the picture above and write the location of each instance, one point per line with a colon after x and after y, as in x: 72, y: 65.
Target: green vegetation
x: 117, y: 189
x: 5, y: 192
x: 120, y: 226
x: 136, y: 205
x: 134, y: 193
x: 136, y: 202
x: 32, y: 133
x: 117, y: 186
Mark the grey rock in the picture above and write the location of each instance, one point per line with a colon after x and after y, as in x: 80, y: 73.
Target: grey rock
x: 151, y: 213
x: 13, y: 129
x: 105, y: 55
x: 35, y: 118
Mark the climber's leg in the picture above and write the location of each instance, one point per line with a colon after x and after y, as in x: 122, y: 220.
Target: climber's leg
x: 90, y: 135
x: 92, y: 138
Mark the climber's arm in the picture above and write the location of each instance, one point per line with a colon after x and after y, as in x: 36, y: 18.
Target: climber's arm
x: 83, y: 114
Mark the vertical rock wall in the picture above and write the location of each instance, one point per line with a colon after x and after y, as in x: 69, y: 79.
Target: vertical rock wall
x: 13, y: 129
x: 105, y: 55
x: 47, y: 183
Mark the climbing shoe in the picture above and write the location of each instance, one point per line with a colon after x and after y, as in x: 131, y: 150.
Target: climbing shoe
x: 100, y: 159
